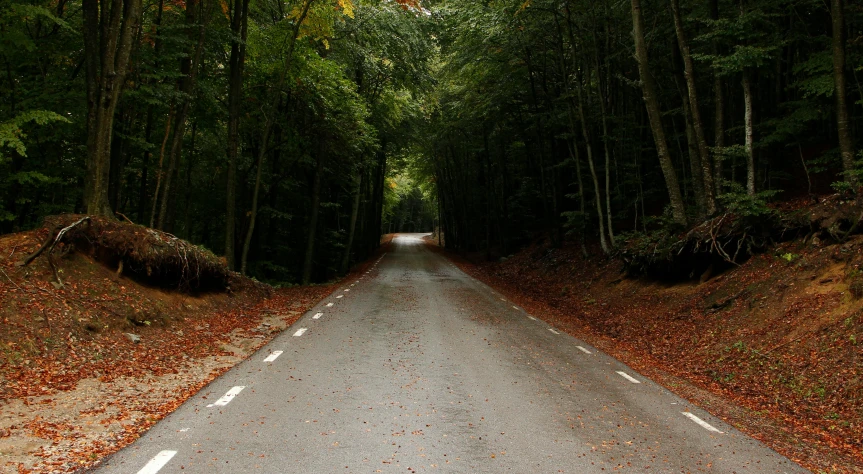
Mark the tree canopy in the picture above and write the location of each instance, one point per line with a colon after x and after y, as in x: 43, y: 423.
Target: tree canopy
x: 288, y: 135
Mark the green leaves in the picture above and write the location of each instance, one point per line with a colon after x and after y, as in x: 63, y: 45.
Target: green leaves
x: 12, y: 135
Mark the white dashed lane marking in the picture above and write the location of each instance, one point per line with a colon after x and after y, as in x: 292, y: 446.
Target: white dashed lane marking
x: 317, y: 316
x: 514, y: 306
x: 531, y: 317
x: 552, y: 330
x: 329, y: 305
x: 627, y: 377
x: 300, y: 332
x: 707, y: 426
x: 226, y: 398
x: 340, y: 296
x: 275, y: 355
x: 347, y: 290
x: 158, y: 462
x: 583, y: 350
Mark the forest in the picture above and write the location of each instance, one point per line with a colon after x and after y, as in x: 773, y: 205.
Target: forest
x: 289, y: 135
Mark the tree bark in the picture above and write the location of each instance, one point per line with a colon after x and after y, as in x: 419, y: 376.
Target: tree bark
x: 846, y: 144
x: 691, y: 148
x: 186, y: 85
x: 598, y: 195
x: 270, y: 120
x: 109, y: 29
x: 313, y: 219
x: 749, y: 134
x: 159, y: 171
x: 239, y: 29
x: 697, y: 123
x: 718, y: 109
x: 355, y: 209
x: 651, y: 102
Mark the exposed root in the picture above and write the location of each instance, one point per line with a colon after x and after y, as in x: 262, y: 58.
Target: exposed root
x: 150, y: 255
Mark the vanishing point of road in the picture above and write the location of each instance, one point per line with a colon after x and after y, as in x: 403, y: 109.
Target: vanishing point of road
x: 417, y: 367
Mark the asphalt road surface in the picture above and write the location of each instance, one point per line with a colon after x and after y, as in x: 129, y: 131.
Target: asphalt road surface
x: 417, y: 367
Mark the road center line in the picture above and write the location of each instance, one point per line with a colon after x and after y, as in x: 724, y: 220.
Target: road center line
x: 317, y: 316
x: 329, y: 305
x: 552, y: 330
x: 158, y: 462
x: 340, y: 296
x: 514, y: 306
x: 701, y: 422
x: 627, y: 377
x: 275, y: 355
x: 531, y: 317
x: 583, y: 350
x: 226, y: 398
x: 300, y: 332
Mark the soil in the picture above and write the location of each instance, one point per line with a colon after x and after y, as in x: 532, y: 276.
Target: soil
x: 774, y: 347
x: 74, y: 387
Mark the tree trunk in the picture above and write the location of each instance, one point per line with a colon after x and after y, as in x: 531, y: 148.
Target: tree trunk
x: 692, y: 148
x: 313, y: 219
x: 267, y: 130
x: 846, y: 144
x: 697, y: 123
x: 598, y: 195
x: 159, y: 171
x: 355, y: 209
x: 108, y: 37
x: 239, y: 29
x: 651, y: 102
x: 253, y: 214
x: 747, y: 119
x: 718, y: 109
x: 189, y: 69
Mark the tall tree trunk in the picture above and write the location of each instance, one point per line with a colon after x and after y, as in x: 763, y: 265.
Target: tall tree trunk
x: 313, y: 219
x: 160, y: 170
x: 718, y: 109
x: 747, y: 126
x: 603, y: 99
x: 268, y: 128
x: 148, y: 128
x: 692, y: 148
x: 697, y: 123
x: 145, y: 166
x: 651, y: 102
x: 187, y: 220
x: 846, y: 144
x: 253, y: 214
x: 186, y: 85
x: 239, y: 29
x: 598, y: 195
x: 109, y: 29
x: 355, y: 209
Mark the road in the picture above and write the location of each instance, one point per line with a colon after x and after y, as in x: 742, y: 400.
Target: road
x: 417, y: 367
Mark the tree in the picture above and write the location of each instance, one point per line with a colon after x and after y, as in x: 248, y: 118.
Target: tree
x: 843, y: 129
x: 651, y: 102
x: 239, y: 34
x: 109, y: 29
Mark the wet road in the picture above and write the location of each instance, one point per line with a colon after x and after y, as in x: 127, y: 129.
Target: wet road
x: 419, y: 368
